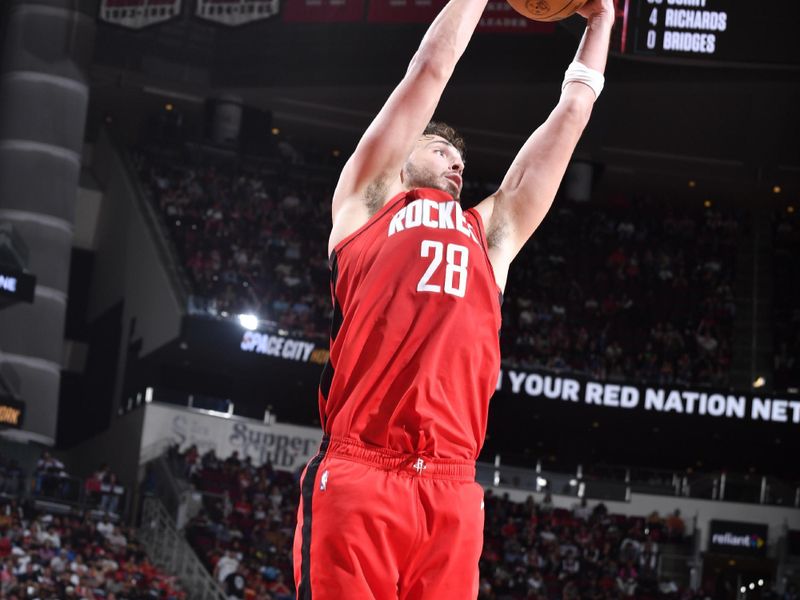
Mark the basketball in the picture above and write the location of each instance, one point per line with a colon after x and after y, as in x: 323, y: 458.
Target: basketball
x: 546, y: 10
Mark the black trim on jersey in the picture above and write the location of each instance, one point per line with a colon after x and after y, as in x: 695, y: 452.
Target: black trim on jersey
x: 307, y: 491
x: 326, y: 380
x: 336, y: 319
x: 336, y: 322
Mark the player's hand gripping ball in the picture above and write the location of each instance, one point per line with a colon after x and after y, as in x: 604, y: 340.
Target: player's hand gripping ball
x: 547, y: 10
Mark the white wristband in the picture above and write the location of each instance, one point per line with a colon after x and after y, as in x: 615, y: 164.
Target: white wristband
x: 580, y: 72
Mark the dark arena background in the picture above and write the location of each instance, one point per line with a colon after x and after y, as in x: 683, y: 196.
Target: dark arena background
x: 166, y: 172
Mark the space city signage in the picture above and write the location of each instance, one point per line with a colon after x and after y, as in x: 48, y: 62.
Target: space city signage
x: 653, y: 398
x: 16, y: 285
x: 734, y: 537
x: 136, y: 14
x: 236, y: 12
x: 279, y: 346
x: 286, y: 447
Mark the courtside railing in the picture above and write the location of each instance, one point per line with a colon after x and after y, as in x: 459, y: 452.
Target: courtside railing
x: 617, y: 483
x: 170, y: 551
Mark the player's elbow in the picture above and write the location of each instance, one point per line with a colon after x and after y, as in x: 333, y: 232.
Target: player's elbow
x: 435, y: 63
x: 575, y: 109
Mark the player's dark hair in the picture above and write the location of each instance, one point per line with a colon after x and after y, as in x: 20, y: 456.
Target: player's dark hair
x: 451, y: 135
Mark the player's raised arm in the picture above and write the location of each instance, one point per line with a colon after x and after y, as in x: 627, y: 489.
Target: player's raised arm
x: 530, y: 185
x: 379, y: 156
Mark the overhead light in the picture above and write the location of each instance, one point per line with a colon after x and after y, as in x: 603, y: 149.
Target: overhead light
x: 541, y: 482
x: 275, y: 131
x: 573, y: 482
x: 692, y: 183
x: 776, y: 189
x: 743, y: 589
x: 336, y: 152
x: 790, y: 209
x: 248, y: 321
x: 752, y: 586
x: 760, y: 582
x: 707, y: 203
x: 169, y: 106
x: 759, y: 382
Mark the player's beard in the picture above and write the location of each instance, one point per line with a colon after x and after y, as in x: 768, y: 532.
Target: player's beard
x: 422, y: 177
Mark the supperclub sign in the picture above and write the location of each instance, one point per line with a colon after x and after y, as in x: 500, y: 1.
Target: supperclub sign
x: 136, y: 14
x: 286, y: 447
x: 662, y: 399
x: 236, y: 12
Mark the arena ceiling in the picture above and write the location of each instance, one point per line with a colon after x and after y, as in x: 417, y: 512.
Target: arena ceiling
x: 656, y: 124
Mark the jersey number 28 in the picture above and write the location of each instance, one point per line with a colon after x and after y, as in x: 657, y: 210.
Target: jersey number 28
x: 455, y: 273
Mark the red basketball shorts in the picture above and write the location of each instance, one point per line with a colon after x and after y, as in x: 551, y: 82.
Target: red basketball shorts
x: 375, y: 524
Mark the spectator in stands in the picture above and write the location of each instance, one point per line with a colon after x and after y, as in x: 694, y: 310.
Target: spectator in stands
x: 50, y: 476
x: 226, y: 565
x: 110, y: 493
x: 582, y: 511
x: 529, y: 551
x: 579, y: 310
x: 675, y: 525
x: 48, y: 556
x: 235, y: 583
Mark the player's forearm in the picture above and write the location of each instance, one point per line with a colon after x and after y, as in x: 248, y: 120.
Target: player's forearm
x: 592, y: 53
x: 448, y: 36
x: 593, y: 49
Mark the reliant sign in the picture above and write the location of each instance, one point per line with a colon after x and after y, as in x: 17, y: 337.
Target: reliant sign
x: 733, y: 537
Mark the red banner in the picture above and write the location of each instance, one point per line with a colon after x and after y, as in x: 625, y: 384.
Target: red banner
x: 498, y: 17
x: 321, y: 11
x: 404, y: 11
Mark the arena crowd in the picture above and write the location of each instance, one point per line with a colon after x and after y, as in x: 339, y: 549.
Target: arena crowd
x: 647, y: 294
x: 53, y: 556
x: 531, y: 551
x: 786, y: 298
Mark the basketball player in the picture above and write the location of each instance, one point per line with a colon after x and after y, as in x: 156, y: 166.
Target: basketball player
x: 390, y: 508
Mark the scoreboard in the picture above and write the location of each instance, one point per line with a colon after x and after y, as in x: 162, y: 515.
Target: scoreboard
x: 718, y: 31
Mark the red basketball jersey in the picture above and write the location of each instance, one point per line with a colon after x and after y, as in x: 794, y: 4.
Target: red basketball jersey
x: 415, y: 351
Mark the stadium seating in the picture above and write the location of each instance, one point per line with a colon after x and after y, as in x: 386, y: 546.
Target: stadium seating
x: 646, y: 295
x: 249, y: 245
x: 531, y: 551
x: 786, y: 269
x: 48, y: 555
